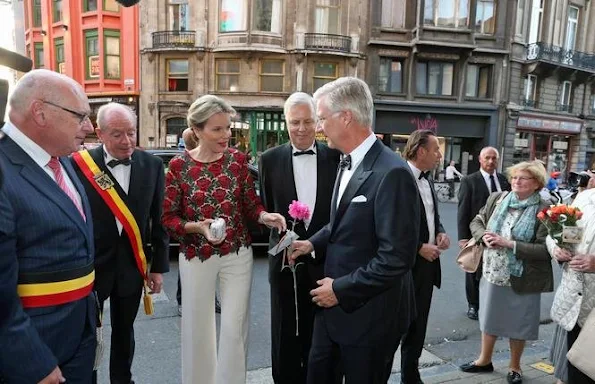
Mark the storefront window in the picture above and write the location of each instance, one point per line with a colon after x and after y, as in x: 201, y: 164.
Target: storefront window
x: 522, y: 147
x: 174, y: 128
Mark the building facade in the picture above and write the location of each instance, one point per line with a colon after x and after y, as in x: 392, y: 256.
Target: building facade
x: 551, y: 106
x: 252, y: 53
x: 93, y: 41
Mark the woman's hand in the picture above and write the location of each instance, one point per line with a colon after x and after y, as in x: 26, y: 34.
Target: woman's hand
x: 493, y: 240
x: 273, y: 220
x: 582, y: 263
x: 562, y: 255
x: 203, y: 228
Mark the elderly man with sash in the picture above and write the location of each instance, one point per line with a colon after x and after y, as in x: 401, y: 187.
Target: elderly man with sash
x: 125, y: 188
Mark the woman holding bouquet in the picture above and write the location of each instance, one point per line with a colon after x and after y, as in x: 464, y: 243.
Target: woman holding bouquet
x: 516, y: 267
x: 209, y: 182
x: 580, y: 266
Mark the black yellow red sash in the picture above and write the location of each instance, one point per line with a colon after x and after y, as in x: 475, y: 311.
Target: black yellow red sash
x: 105, y: 188
x: 55, y: 288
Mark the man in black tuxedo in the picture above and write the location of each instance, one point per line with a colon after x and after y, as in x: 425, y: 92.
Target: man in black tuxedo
x: 371, y: 240
x: 473, y: 194
x: 423, y: 154
x: 138, y: 178
x: 301, y: 170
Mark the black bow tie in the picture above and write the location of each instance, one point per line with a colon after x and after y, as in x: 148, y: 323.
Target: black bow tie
x: 345, y: 162
x: 424, y: 175
x: 113, y: 162
x: 308, y: 152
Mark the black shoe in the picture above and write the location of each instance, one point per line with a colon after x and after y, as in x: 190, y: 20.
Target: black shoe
x: 472, y: 313
x: 470, y: 367
x: 514, y: 377
x: 217, y: 306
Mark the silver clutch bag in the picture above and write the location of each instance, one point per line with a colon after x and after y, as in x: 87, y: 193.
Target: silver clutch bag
x: 218, y: 228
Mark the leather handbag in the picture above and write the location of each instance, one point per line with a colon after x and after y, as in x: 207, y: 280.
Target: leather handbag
x: 582, y: 351
x: 470, y: 256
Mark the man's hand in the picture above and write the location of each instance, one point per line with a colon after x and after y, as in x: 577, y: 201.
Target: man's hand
x: 582, y: 263
x: 155, y: 282
x: 300, y: 247
x: 462, y: 243
x: 55, y: 377
x: 429, y: 252
x: 274, y: 220
x: 324, y: 296
x: 443, y: 241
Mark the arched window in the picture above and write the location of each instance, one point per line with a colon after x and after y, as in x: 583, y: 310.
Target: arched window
x: 174, y: 128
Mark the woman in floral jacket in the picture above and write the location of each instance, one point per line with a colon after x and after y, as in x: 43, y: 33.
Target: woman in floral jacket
x: 212, y: 181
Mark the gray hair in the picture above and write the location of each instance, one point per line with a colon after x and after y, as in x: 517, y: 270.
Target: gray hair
x: 204, y: 107
x: 349, y: 94
x: 485, y: 149
x: 299, y: 98
x: 108, y: 109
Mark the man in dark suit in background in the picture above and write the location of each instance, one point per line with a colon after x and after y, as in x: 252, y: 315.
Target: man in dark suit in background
x: 371, y: 241
x: 138, y: 178
x: 473, y: 194
x: 47, y: 306
x: 303, y: 170
x: 423, y: 154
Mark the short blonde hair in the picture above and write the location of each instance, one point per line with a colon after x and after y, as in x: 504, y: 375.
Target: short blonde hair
x: 204, y: 107
x: 535, y: 168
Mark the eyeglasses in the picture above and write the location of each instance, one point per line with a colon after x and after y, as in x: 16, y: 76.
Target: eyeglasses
x: 82, y: 116
x: 522, y: 178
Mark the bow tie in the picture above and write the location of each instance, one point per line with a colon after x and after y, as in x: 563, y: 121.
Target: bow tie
x: 345, y: 162
x: 308, y: 152
x: 424, y: 175
x: 113, y: 162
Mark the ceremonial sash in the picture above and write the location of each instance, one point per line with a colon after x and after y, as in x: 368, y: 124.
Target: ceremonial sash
x: 104, y: 186
x: 54, y: 288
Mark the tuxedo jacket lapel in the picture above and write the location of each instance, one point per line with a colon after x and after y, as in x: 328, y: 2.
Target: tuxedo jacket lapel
x: 287, y: 164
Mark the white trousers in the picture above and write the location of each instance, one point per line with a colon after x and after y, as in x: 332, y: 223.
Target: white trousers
x: 200, y: 363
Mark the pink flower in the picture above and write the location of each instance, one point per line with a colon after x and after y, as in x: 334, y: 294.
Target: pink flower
x: 299, y: 210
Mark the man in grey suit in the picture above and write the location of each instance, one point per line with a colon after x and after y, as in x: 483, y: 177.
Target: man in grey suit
x: 47, y: 307
x: 367, y: 298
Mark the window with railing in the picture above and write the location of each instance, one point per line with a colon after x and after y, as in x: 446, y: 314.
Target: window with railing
x: 112, y: 54
x: 571, y: 28
x: 530, y: 91
x: 536, y: 21
x: 177, y: 75
x: 447, y: 13
x: 393, y: 14
x: 89, y: 5
x: 36, y: 13
x: 56, y: 11
x: 178, y: 16
x: 324, y: 73
x: 227, y: 74
x: 390, y: 75
x: 38, y: 60
x: 59, y: 53
x: 434, y: 78
x: 479, y: 81
x: 485, y: 17
x: 272, y: 75
x: 92, y: 61
x: 266, y: 15
x: 327, y: 16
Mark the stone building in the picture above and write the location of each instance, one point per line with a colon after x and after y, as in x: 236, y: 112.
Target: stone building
x: 253, y: 53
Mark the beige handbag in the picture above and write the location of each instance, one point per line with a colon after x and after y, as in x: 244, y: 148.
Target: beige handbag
x: 470, y: 256
x: 583, y: 349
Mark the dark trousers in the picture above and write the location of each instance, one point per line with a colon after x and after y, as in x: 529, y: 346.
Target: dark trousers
x: 574, y: 375
x: 451, y: 187
x: 413, y: 341
x: 472, y: 289
x: 179, y: 291
x: 289, y: 352
x: 79, y: 368
x: 359, y: 364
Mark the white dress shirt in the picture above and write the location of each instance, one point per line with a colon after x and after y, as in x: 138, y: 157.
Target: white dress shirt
x: 305, y: 173
x: 39, y: 156
x: 122, y: 174
x: 450, y: 172
x: 486, y: 177
x: 357, y: 156
x: 425, y: 192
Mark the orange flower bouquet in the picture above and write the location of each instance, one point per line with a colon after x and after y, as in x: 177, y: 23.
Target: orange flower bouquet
x: 561, y: 223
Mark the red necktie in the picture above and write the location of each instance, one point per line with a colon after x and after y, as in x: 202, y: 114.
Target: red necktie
x: 54, y: 165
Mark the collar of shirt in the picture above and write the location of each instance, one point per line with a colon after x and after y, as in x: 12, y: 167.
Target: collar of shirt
x: 416, y: 171
x: 358, y: 154
x: 31, y: 148
x: 312, y: 147
x: 107, y: 156
x: 486, y: 175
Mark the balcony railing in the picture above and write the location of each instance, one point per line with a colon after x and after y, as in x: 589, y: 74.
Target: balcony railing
x: 174, y: 39
x: 564, y: 107
x: 326, y: 42
x: 528, y: 103
x: 552, y: 53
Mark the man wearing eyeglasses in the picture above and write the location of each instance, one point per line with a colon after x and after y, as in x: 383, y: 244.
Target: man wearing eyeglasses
x: 138, y: 180
x: 47, y: 307
x: 303, y: 170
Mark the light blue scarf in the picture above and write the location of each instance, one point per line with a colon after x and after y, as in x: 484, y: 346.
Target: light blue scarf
x: 522, y: 230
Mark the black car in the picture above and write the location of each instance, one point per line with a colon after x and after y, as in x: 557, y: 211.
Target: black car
x: 259, y: 233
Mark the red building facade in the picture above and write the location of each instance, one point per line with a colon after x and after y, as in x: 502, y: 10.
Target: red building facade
x: 95, y: 42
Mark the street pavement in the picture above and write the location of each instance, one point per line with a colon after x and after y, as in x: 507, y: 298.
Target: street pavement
x: 452, y: 338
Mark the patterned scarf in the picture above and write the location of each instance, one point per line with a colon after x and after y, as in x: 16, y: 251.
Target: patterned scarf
x: 522, y: 230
